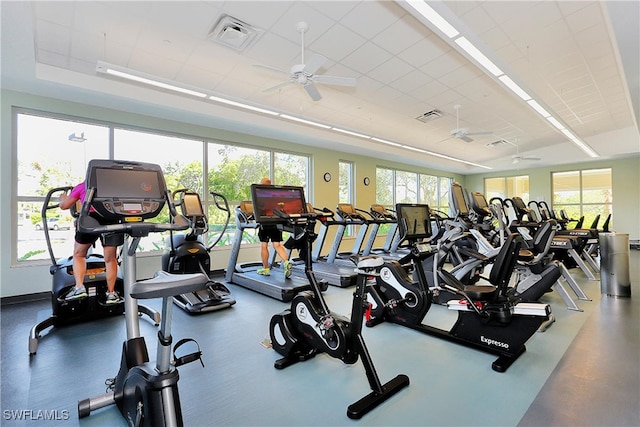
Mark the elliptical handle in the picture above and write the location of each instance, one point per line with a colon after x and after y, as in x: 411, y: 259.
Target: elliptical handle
x: 43, y: 212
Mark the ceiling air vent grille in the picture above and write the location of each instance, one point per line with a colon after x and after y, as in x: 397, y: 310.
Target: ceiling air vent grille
x: 233, y: 33
x: 429, y: 116
x: 498, y: 143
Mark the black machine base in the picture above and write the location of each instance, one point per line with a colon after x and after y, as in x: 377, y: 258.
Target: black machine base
x: 360, y: 408
x: 214, y: 297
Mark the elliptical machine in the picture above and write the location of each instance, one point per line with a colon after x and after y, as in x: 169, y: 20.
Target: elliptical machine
x: 187, y: 253
x: 309, y: 327
x: 92, y: 307
x: 129, y: 193
x: 488, y: 320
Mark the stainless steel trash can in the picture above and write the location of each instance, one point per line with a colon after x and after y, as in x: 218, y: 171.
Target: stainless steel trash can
x: 614, y: 265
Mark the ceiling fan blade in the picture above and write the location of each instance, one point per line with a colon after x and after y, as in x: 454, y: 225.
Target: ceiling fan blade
x: 334, y: 80
x: 278, y: 86
x: 314, y: 63
x: 312, y: 91
x: 267, y: 67
x: 465, y: 138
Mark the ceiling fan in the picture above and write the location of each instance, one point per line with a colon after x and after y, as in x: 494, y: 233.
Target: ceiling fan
x: 305, y: 72
x: 463, y: 133
x: 517, y: 158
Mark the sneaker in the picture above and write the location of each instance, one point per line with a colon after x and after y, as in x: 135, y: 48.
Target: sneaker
x: 76, y: 293
x: 288, y: 266
x: 112, y: 298
x: 264, y: 271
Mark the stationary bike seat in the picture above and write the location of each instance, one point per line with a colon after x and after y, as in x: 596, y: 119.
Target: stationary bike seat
x: 164, y: 284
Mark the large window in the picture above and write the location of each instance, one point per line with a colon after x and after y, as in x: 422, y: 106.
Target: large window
x: 585, y: 193
x: 54, y: 151
x: 345, y: 182
x: 345, y: 188
x: 395, y: 186
x: 51, y: 153
x: 507, y: 187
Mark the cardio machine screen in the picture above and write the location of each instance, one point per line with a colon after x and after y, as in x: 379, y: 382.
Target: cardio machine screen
x: 127, y: 184
x: 191, y: 205
x: 266, y: 198
x: 128, y: 191
x: 414, y: 221
x: 459, y: 201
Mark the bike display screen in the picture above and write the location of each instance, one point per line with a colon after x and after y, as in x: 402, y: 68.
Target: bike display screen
x: 266, y: 198
x: 414, y: 221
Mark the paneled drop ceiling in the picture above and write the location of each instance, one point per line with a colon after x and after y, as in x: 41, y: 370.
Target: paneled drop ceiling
x: 578, y: 58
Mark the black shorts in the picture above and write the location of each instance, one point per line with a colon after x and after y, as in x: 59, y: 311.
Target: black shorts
x: 269, y: 232
x: 107, y: 239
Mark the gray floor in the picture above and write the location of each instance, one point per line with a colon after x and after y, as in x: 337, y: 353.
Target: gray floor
x: 583, y: 371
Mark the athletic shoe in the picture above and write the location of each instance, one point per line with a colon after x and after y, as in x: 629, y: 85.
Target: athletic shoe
x: 113, y: 298
x: 76, y: 293
x: 288, y: 265
x: 264, y: 271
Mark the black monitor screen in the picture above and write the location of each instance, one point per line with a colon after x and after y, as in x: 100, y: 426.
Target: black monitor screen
x: 126, y: 190
x: 460, y: 204
x: 128, y: 183
x: 191, y: 205
x: 414, y: 221
x: 266, y: 198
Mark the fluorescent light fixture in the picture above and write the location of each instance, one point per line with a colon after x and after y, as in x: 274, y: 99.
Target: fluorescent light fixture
x: 348, y: 132
x: 534, y: 104
x: 514, y: 87
x: 384, y: 141
x: 434, y: 17
x: 442, y: 156
x: 419, y: 150
x: 147, y: 79
x: 583, y: 146
x: 555, y: 123
x: 307, y: 122
x: 478, y: 56
x: 241, y: 105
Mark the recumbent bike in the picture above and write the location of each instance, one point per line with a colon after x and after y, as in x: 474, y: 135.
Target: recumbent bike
x: 488, y: 319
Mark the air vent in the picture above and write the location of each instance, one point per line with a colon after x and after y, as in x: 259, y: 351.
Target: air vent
x: 498, y: 143
x: 429, y: 116
x: 233, y: 33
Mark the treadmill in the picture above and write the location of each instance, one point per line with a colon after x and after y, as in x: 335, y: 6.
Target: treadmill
x: 245, y: 274
x: 389, y: 251
x: 346, y: 214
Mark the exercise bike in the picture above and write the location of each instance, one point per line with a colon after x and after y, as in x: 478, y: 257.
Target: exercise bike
x: 309, y: 327
x: 129, y: 193
x: 94, y: 306
x: 187, y: 253
x: 487, y: 320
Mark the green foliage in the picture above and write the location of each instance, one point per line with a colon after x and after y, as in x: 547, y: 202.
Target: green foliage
x: 234, y: 177
x: 31, y: 254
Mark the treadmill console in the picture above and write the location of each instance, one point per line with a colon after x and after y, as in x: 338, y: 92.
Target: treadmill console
x: 269, y: 198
